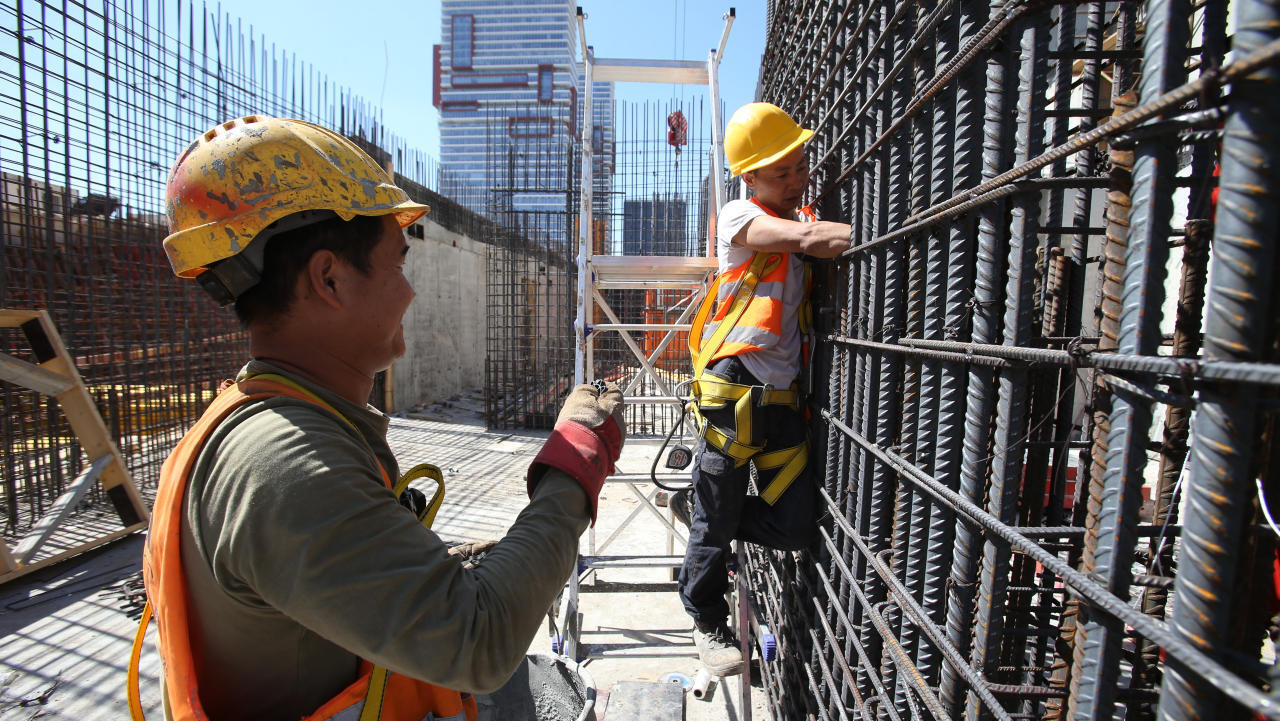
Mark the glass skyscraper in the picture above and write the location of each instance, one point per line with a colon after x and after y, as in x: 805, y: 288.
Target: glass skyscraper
x: 505, y: 75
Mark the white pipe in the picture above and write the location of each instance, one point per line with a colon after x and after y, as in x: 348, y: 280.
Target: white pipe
x: 582, y: 338
x: 701, y: 683
x: 717, y: 150
x: 724, y: 37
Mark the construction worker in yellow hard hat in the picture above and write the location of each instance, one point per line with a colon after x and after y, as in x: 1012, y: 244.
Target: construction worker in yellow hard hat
x: 286, y: 574
x: 750, y: 345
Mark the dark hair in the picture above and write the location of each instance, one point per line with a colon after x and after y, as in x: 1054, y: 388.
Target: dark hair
x: 287, y: 254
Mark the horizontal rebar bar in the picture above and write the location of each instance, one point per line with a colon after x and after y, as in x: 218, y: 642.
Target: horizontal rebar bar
x: 1193, y: 659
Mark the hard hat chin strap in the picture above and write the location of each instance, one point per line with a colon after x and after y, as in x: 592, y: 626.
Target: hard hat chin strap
x: 234, y: 275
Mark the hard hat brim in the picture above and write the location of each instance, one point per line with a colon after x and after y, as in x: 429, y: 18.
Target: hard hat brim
x: 770, y: 156
x: 408, y: 213
x: 190, y: 259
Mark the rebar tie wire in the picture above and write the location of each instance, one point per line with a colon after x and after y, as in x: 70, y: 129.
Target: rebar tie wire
x: 1192, y: 658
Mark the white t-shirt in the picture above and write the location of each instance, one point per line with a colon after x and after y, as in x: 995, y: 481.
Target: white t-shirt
x: 778, y: 365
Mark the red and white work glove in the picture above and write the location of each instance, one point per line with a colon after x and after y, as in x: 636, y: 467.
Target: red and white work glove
x: 586, y: 440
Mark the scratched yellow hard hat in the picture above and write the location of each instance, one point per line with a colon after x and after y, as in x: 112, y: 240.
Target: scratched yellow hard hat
x: 760, y: 134
x: 242, y: 176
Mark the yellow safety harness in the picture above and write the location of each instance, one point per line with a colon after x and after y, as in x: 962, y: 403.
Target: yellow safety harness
x: 711, y: 392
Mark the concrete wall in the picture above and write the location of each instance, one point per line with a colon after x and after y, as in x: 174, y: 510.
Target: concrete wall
x: 445, y: 326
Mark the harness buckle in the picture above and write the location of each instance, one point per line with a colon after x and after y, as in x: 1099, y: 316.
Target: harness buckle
x: 762, y: 394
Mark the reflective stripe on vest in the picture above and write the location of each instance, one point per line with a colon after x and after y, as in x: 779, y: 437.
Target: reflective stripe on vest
x: 744, y: 336
x: 374, y: 694
x: 764, y: 289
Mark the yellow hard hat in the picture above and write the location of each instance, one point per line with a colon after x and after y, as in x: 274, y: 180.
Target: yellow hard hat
x: 242, y: 176
x: 760, y: 134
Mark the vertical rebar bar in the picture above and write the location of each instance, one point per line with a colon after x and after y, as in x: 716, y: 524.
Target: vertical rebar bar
x: 911, y: 529
x: 1164, y: 52
x: 947, y: 285
x: 987, y: 295
x: 1011, y: 420
x: 1235, y: 329
x: 1177, y: 424
x: 1089, y: 487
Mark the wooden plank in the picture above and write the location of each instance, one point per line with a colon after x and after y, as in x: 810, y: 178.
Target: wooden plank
x: 15, y: 318
x: 86, y: 546
x: 107, y: 465
x: 92, y: 433
x: 388, y: 390
x: 52, y: 519
x: 82, y: 415
x: 7, y: 562
x: 29, y: 375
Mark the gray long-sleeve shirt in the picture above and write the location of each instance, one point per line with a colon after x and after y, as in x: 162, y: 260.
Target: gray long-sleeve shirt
x: 299, y: 562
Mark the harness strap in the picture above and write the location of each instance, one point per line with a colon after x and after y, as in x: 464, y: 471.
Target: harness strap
x: 730, y: 446
x: 791, y: 460
x: 711, y: 392
x: 371, y: 709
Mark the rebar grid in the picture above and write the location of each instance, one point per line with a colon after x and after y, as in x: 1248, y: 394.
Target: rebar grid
x: 98, y: 100
x: 655, y: 205
x: 1011, y: 391
x: 532, y: 161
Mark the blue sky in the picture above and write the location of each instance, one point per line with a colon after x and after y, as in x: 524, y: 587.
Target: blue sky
x: 381, y: 49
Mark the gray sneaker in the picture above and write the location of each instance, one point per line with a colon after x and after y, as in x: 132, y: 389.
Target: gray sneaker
x: 718, y: 648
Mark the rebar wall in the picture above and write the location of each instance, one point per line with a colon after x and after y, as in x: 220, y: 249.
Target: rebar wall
x: 531, y: 159
x: 1045, y: 401
x: 98, y: 100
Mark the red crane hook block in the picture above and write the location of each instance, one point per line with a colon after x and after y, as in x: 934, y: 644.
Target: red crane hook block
x: 677, y: 129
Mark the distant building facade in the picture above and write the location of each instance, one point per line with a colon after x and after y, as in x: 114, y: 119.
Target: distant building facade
x: 657, y: 226
x: 506, y: 75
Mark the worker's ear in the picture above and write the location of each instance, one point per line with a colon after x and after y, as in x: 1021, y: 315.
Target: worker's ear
x: 322, y: 276
x: 749, y: 177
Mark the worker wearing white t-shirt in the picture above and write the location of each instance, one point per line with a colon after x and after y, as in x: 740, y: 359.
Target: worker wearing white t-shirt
x: 749, y: 346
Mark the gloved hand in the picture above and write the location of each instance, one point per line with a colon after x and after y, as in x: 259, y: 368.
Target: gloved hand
x: 471, y: 551
x: 586, y: 441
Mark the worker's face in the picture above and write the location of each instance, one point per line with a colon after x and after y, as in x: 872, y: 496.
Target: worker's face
x: 380, y: 300
x: 781, y: 185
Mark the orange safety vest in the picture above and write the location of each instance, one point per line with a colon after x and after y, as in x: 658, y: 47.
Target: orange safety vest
x: 394, y: 697
x: 759, y: 283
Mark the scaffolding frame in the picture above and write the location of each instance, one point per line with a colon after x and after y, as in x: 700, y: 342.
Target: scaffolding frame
x: 600, y: 273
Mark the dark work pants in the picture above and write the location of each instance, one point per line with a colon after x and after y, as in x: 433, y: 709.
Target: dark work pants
x: 724, y: 511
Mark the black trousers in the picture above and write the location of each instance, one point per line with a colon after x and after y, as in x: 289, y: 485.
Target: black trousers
x: 724, y: 510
